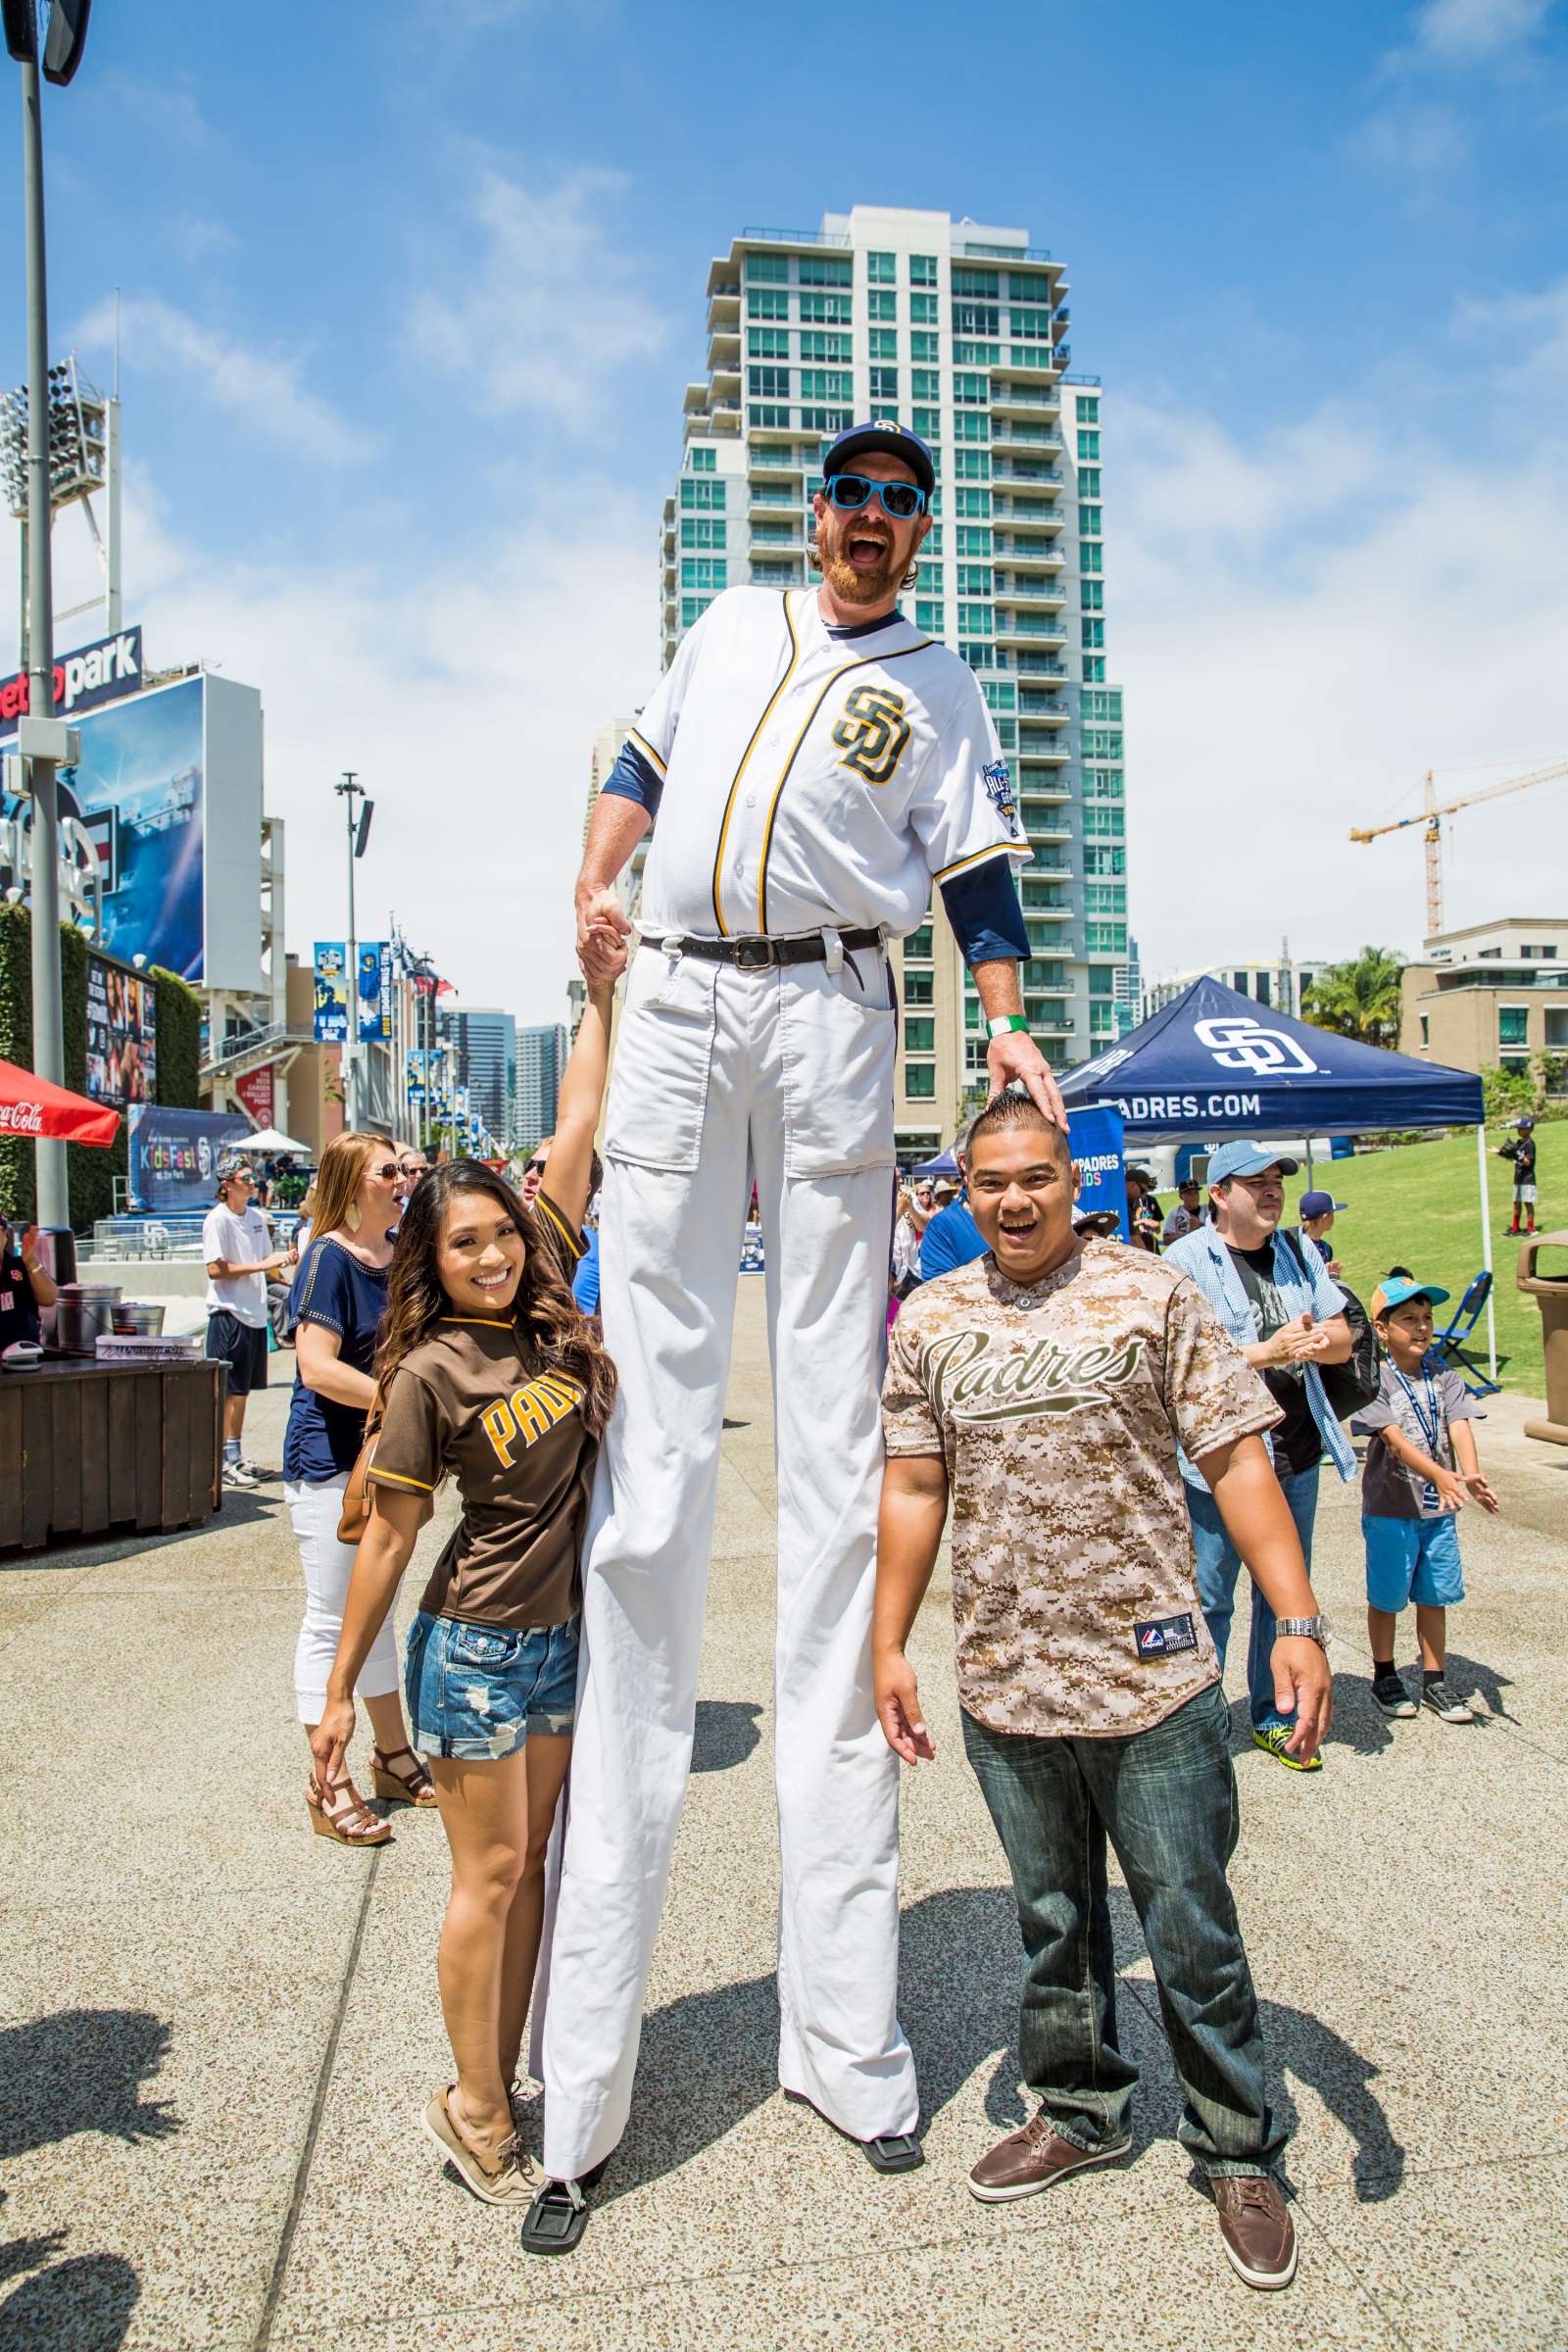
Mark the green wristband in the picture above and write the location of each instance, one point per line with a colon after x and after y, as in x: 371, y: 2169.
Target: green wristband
x: 1005, y: 1023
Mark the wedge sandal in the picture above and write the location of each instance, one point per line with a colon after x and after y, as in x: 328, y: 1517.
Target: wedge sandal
x: 413, y: 1787
x: 344, y: 1816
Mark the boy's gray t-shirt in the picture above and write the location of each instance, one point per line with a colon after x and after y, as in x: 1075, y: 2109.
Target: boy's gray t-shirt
x: 1389, y: 1490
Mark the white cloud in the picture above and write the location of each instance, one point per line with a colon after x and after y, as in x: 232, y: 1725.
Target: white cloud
x: 546, y: 313
x: 1458, y: 32
x: 1295, y: 659
x: 263, y: 390
x: 465, y: 691
x: 165, y: 107
x: 1413, y: 141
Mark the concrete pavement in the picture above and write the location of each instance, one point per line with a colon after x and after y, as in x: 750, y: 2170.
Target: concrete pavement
x: 217, y: 2030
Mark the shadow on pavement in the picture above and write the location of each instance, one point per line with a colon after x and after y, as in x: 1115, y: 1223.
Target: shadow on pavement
x: 84, y: 2305
x: 725, y: 1735
x: 709, y: 2059
x: 81, y: 2070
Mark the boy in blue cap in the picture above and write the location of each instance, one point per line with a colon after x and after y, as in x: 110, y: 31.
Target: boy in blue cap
x: 1421, y: 1470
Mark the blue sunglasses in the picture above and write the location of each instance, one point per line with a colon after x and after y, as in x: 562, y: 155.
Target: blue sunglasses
x: 901, y: 500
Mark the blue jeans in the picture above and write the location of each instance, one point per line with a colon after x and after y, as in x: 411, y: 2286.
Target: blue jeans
x: 1219, y: 1564
x: 1166, y: 1798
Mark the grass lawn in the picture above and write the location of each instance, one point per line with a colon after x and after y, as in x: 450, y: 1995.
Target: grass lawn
x: 1418, y: 1206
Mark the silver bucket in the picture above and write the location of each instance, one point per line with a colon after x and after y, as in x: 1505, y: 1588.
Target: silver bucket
x: 85, y: 1314
x: 135, y: 1321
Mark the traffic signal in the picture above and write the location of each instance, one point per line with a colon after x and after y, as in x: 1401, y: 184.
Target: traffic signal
x: 68, y: 37
x: 21, y: 29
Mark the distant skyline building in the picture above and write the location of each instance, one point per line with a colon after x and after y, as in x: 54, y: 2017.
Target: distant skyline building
x: 1279, y: 984
x: 486, y: 1040
x: 541, y: 1060
x: 959, y: 331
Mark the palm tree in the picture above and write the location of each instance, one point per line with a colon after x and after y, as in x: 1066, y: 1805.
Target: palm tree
x: 1361, y: 999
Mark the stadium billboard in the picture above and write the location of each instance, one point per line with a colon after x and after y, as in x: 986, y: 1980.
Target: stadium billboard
x: 169, y: 786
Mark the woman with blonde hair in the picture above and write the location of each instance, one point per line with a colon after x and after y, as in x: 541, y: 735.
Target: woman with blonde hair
x: 338, y: 1301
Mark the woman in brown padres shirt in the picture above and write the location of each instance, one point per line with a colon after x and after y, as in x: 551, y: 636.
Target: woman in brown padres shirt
x: 489, y: 1374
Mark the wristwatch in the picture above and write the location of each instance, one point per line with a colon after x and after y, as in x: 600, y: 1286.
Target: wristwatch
x: 1004, y: 1023
x: 1305, y: 1629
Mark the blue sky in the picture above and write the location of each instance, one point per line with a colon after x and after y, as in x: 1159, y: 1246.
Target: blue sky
x: 408, y: 313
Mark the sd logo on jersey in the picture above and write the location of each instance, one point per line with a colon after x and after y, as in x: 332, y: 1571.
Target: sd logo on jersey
x: 872, y: 732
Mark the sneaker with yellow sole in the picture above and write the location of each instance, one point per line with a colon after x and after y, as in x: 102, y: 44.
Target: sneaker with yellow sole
x: 1272, y: 1743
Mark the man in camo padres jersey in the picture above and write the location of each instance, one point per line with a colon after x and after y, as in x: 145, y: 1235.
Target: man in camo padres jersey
x: 1043, y: 1390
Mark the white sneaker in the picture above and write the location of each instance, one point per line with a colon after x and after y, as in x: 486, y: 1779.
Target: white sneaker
x: 238, y: 1474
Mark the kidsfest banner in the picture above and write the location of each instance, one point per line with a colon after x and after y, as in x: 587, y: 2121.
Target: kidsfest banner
x: 1095, y: 1136
x: 172, y: 1155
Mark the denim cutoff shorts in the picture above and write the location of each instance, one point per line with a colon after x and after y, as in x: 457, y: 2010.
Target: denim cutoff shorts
x: 476, y: 1692
x: 1412, y: 1560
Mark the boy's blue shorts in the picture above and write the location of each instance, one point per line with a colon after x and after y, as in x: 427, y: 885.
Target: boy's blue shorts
x: 1412, y: 1560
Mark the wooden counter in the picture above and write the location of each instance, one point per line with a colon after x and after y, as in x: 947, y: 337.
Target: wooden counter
x: 87, y: 1448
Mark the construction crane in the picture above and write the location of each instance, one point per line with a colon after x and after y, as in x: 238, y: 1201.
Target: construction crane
x: 1430, y: 818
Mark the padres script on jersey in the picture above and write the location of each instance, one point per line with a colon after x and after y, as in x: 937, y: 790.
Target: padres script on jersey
x: 1058, y: 1410
x: 815, y: 780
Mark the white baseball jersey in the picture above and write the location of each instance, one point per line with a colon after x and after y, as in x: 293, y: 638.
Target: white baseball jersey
x: 813, y: 780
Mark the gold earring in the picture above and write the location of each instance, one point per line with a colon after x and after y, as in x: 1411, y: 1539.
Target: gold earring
x: 351, y: 1220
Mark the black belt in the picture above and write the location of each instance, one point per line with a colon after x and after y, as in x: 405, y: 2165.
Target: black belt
x: 762, y: 955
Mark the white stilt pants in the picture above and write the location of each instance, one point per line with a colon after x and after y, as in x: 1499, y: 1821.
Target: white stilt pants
x: 719, y: 1075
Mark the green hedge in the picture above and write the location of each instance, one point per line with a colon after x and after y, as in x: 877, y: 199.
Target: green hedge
x: 90, y: 1170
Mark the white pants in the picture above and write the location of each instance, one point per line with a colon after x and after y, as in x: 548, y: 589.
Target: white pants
x: 722, y: 1076
x: 315, y: 1509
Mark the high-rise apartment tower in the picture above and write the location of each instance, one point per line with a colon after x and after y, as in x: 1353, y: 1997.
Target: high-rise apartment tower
x: 962, y: 332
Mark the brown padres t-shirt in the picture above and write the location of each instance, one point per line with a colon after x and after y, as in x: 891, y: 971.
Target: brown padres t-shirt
x: 1058, y: 1408
x: 473, y: 1400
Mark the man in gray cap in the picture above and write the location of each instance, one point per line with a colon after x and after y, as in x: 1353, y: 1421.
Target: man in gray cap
x: 1288, y: 1317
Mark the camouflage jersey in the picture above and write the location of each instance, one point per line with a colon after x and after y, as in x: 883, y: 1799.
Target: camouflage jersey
x: 1058, y: 1408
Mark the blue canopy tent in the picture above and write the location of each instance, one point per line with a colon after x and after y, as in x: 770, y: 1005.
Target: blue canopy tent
x: 946, y: 1163
x: 1214, y: 1063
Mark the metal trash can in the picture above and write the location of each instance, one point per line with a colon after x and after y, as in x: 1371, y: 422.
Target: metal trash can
x: 1551, y: 1292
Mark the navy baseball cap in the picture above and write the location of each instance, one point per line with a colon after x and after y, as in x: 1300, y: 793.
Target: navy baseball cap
x: 1318, y: 1204
x: 1244, y: 1159
x: 1395, y: 1293
x: 894, y: 440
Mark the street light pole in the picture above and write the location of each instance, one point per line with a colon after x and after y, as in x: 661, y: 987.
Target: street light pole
x: 48, y: 1026
x: 351, y: 1040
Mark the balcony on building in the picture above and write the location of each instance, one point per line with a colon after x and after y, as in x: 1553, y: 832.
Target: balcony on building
x: 724, y: 351
x: 724, y: 303
x: 1016, y: 628
x: 1031, y: 505
x: 1018, y: 395
x: 1026, y: 588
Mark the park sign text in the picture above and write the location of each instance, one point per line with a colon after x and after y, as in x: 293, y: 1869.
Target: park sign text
x: 92, y: 674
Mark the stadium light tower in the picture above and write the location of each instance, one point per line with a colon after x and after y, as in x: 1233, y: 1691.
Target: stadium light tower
x: 42, y: 740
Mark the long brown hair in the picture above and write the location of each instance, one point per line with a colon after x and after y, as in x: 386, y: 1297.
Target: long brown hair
x: 544, y: 1308
x: 339, y: 1177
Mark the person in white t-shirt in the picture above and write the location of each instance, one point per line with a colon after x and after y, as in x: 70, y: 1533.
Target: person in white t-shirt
x: 236, y: 1243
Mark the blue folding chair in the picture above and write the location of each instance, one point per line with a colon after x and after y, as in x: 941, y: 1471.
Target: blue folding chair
x: 1447, y: 1352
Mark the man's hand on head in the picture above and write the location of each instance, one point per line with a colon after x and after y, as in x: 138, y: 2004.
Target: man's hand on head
x: 1015, y: 1057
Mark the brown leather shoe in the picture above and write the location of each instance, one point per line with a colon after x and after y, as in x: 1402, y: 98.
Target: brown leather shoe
x: 1033, y: 2159
x: 1255, y: 2229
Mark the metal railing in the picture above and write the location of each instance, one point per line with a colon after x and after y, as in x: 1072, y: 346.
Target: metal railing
x: 255, y: 1041
x: 795, y: 236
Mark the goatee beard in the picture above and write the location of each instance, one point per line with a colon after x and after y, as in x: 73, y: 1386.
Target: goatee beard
x: 854, y: 587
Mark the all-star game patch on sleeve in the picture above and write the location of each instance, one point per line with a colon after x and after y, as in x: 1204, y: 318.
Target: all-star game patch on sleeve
x: 965, y: 811
x: 1213, y: 1393
x: 411, y: 1451
x: 910, y: 1424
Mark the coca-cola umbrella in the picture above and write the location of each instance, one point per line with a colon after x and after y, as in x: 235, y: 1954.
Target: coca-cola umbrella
x: 30, y: 1105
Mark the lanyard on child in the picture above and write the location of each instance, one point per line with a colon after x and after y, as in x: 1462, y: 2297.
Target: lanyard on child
x: 1431, y: 1430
